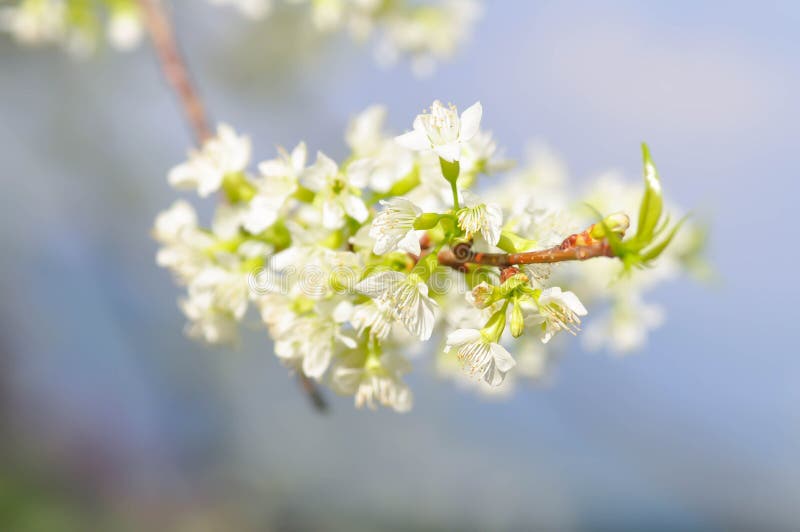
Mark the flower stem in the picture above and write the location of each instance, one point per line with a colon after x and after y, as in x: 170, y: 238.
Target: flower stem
x: 454, y: 188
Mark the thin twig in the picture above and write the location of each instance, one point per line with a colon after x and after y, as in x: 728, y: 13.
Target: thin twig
x: 174, y: 67
x: 177, y: 74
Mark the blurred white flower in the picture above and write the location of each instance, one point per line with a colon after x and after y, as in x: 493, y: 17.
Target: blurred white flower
x: 339, y: 193
x: 125, y: 29
x: 375, y: 382
x: 624, y: 327
x: 309, y: 340
x: 217, y: 300
x: 185, y: 246
x: 278, y: 182
x: 35, y: 22
x: 227, y: 153
x: 253, y: 9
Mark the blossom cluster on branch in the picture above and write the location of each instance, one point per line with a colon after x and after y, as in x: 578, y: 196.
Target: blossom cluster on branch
x: 352, y: 264
x: 426, y: 32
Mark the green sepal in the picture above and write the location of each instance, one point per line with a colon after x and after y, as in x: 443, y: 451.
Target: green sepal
x: 450, y: 170
x: 512, y: 284
x: 277, y: 234
x: 304, y: 194
x: 426, y: 266
x: 517, y: 319
x: 237, y: 188
x: 494, y: 328
x: 427, y: 220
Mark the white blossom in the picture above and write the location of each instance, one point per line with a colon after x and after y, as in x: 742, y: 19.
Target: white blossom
x: 377, y: 381
x: 309, y: 340
x: 624, y: 327
x: 375, y: 316
x: 278, y: 182
x: 217, y: 300
x: 172, y: 222
x: 393, y: 227
x: 227, y: 153
x: 557, y: 311
x: 364, y: 133
x: 442, y: 130
x: 185, y: 246
x: 339, y: 193
x: 480, y: 356
x: 481, y: 218
x: 407, y: 296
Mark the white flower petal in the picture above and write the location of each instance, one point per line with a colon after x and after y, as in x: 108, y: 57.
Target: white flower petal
x: 449, y: 152
x: 414, y: 140
x: 409, y: 244
x: 462, y: 336
x: 502, y: 358
x: 332, y: 214
x: 375, y: 285
x: 354, y: 206
x: 470, y: 121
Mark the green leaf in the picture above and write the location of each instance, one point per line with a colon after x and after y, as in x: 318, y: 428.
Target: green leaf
x: 654, y: 252
x: 652, y: 202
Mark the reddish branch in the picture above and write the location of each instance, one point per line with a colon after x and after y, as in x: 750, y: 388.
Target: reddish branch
x: 174, y: 67
x: 177, y: 74
x: 461, y: 255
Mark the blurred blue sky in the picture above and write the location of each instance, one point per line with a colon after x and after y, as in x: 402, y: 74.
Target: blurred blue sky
x: 699, y: 431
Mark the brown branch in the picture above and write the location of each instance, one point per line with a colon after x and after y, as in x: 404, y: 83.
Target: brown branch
x: 177, y: 74
x: 174, y: 67
x: 461, y: 255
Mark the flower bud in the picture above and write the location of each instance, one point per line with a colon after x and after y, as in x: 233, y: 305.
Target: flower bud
x: 617, y: 223
x: 517, y: 320
x: 482, y: 295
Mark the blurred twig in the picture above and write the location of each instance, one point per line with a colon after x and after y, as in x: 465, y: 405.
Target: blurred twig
x: 174, y: 67
x: 177, y: 74
x: 314, y: 395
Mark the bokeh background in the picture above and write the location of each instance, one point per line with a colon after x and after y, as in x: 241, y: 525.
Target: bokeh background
x: 111, y: 419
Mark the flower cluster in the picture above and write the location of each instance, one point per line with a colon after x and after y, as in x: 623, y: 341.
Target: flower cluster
x: 350, y: 264
x: 76, y: 25
x: 426, y: 32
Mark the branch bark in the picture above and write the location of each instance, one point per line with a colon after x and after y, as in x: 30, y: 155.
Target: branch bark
x: 177, y: 74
